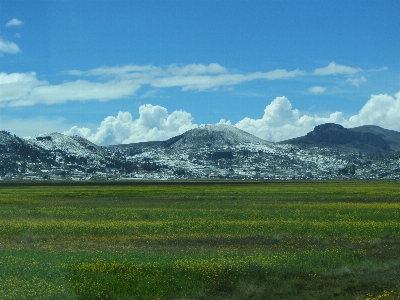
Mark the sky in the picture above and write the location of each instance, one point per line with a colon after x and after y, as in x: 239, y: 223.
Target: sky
x: 116, y: 71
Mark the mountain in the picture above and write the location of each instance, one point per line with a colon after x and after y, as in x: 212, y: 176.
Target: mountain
x: 215, y: 140
x: 227, y: 152
x: 56, y: 156
x: 66, y: 145
x: 216, y: 136
x: 391, y: 137
x: 370, y: 139
x: 16, y: 153
x: 330, y: 151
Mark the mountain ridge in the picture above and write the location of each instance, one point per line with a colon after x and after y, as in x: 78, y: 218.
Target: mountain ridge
x: 330, y: 151
x: 366, y: 138
x: 219, y: 135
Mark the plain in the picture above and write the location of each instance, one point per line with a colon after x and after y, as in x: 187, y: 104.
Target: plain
x: 200, y: 240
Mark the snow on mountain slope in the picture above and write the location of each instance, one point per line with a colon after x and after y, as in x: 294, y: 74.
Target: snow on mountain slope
x: 7, y: 139
x: 215, y: 136
x: 13, y: 145
x: 74, y: 145
x: 205, y: 152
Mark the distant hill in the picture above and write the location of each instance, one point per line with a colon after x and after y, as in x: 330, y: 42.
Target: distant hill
x: 364, y: 138
x: 215, y: 136
x: 330, y: 151
x: 390, y: 136
x: 68, y: 145
x: 18, y: 156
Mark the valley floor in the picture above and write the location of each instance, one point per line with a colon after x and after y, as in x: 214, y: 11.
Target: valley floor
x: 200, y: 240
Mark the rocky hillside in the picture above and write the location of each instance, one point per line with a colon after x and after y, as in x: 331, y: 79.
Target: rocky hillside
x: 215, y: 136
x: 74, y: 145
x: 16, y: 154
x: 391, y: 137
x: 330, y: 151
x: 371, y: 139
x: 54, y: 156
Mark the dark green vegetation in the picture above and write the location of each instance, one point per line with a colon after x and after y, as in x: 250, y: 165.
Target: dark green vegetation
x: 200, y: 240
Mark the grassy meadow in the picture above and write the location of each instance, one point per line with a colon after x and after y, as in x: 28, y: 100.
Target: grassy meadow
x: 200, y: 240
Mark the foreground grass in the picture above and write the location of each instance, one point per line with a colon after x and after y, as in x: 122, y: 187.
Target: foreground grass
x: 201, y: 240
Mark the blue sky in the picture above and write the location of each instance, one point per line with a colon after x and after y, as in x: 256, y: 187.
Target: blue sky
x: 129, y: 71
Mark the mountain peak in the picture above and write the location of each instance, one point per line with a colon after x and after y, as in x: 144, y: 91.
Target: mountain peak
x: 69, y: 144
x: 215, y: 136
x: 335, y: 135
x: 330, y: 133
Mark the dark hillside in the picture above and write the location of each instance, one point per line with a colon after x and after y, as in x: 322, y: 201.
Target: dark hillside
x: 364, y: 138
x: 390, y: 136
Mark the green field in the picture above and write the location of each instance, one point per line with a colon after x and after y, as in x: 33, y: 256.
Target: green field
x: 200, y: 240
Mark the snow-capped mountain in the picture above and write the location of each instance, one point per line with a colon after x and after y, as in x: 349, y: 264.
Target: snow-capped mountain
x: 67, y: 145
x: 328, y: 152
x: 54, y: 156
x: 216, y: 136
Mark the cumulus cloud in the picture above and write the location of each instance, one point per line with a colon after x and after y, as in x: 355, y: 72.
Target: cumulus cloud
x: 382, y: 110
x: 14, y: 22
x: 154, y: 124
x: 279, y: 122
x: 317, y: 90
x: 8, y: 47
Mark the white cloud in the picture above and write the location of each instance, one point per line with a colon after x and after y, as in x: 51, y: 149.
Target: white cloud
x: 116, y: 71
x: 224, y: 122
x: 189, y: 77
x: 335, y: 69
x: 14, y: 22
x: 120, y: 82
x: 382, y: 110
x: 82, y: 90
x: 149, y: 71
x: 279, y: 122
x: 356, y: 81
x: 206, y: 81
x: 196, y: 69
x: 8, y: 47
x: 16, y: 86
x: 384, y: 68
x: 154, y: 124
x: 317, y: 90
x: 150, y: 94
x: 281, y: 74
x: 17, y: 77
x: 201, y: 77
x: 109, y: 83
x: 23, y: 89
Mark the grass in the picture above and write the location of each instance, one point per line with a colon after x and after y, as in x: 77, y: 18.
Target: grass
x: 200, y: 240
